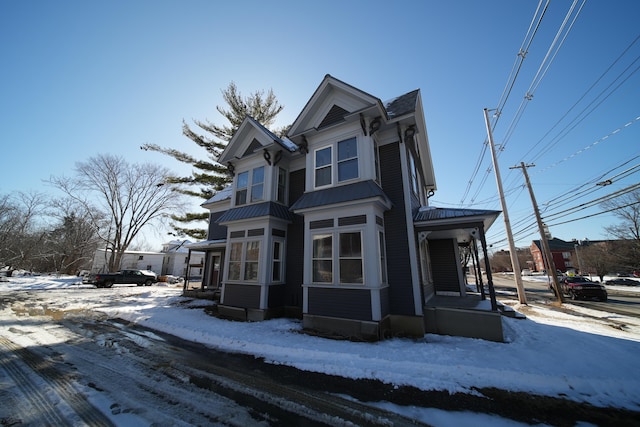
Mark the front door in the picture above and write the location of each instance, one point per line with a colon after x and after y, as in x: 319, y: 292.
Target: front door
x: 213, y: 279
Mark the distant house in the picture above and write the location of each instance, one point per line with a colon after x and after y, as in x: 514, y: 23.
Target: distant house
x: 561, y: 251
x: 174, y: 259
x: 332, y: 224
x: 135, y: 260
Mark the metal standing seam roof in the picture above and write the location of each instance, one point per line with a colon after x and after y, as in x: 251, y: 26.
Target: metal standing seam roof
x: 452, y: 216
x: 343, y: 193
x: 403, y: 104
x: 256, y: 211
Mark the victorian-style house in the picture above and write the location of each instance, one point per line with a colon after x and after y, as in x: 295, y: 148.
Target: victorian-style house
x: 332, y: 224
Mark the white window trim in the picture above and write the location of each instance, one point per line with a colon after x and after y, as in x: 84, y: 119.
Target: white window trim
x: 243, y: 261
x: 249, y: 187
x: 335, y: 256
x: 333, y: 144
x: 330, y: 165
x: 282, y: 242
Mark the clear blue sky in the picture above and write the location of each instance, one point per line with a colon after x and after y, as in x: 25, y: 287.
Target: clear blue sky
x: 80, y: 78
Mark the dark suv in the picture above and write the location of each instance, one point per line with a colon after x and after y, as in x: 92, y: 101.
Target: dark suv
x: 578, y: 287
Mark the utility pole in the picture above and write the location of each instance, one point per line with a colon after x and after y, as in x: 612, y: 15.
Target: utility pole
x: 515, y: 264
x: 551, y: 267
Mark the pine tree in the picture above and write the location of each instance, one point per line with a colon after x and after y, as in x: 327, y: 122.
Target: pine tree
x: 209, y: 176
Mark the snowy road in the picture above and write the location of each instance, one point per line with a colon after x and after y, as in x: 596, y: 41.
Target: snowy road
x: 70, y: 365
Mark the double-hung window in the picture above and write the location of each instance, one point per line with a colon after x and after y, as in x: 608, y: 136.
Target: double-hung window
x: 257, y: 184
x: 337, y: 162
x: 276, y: 273
x: 241, y: 188
x: 347, y: 159
x: 323, y: 169
x: 256, y: 190
x: 282, y: 185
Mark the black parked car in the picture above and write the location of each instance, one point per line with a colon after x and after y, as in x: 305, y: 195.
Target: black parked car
x: 578, y: 287
x: 623, y: 282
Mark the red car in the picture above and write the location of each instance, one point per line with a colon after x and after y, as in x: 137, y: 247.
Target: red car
x: 578, y: 287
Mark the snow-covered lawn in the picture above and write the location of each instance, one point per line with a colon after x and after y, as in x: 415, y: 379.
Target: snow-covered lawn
x: 576, y: 353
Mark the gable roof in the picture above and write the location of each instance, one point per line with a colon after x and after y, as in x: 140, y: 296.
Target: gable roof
x: 250, y: 137
x: 331, y: 94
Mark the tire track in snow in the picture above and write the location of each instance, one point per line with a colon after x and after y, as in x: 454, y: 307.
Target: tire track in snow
x: 59, y: 384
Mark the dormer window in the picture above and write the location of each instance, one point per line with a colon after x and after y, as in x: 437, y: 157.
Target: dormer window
x: 346, y: 163
x: 256, y: 176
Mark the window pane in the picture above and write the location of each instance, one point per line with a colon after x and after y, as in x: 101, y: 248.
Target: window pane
x: 322, y: 271
x: 258, y: 175
x: 276, y: 250
x: 234, y: 270
x: 323, y: 157
x: 347, y: 149
x: 243, y: 180
x: 253, y: 251
x: 322, y: 246
x: 241, y: 197
x: 323, y: 176
x: 350, y: 245
x: 348, y: 169
x: 236, y: 252
x: 350, y: 271
x: 282, y: 184
x: 276, y: 271
x: 256, y: 192
x: 251, y: 271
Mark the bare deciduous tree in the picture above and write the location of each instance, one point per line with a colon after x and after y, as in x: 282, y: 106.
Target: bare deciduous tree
x: 20, y: 235
x: 626, y: 208
x: 119, y: 199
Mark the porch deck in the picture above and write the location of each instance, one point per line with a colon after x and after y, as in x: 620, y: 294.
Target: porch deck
x: 466, y: 316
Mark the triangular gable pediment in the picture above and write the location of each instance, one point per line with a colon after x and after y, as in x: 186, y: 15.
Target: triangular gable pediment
x: 330, y: 103
x: 249, y: 137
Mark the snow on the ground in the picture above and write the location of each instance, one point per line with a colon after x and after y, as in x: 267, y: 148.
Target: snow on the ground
x: 577, y: 353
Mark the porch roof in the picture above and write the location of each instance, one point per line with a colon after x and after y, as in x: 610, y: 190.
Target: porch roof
x: 453, y: 223
x: 206, y: 244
